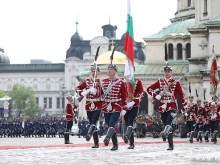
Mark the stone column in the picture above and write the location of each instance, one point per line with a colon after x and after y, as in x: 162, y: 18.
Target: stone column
x: 184, y: 53
x: 150, y: 106
x: 174, y: 53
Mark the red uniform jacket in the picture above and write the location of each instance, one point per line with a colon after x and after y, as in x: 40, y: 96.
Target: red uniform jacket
x: 207, y: 113
x: 93, y: 102
x: 70, y: 115
x: 200, y: 114
x: 168, y: 98
x: 190, y: 110
x: 215, y: 112
x: 114, y: 95
x: 138, y: 92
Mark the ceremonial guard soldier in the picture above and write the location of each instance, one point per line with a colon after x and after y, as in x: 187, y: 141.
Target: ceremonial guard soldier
x: 70, y: 116
x: 200, y: 119
x: 91, y: 89
x: 207, y: 120
x: 168, y: 89
x: 114, y: 103
x: 190, y: 117
x: 215, y: 118
x: 132, y: 111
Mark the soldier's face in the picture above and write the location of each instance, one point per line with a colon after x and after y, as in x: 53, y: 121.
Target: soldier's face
x: 111, y: 72
x: 94, y: 73
x: 70, y: 99
x: 215, y: 99
x: 167, y: 74
x: 191, y: 99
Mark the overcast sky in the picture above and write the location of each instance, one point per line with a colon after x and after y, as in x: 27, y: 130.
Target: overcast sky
x: 41, y: 29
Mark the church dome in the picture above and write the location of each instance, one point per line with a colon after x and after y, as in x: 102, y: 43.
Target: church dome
x: 123, y: 36
x: 74, y: 52
x: 118, y: 58
x: 3, y: 58
x: 174, y: 29
x: 76, y: 37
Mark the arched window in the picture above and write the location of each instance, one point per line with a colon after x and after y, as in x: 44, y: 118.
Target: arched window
x: 189, y: 3
x: 179, y: 51
x: 188, y: 50
x: 170, y: 51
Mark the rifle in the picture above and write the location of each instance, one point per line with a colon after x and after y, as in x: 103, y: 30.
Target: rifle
x: 189, y: 89
x: 96, y: 57
x: 197, y: 94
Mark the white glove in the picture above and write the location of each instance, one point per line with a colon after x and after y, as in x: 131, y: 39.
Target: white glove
x: 158, y: 97
x: 213, y: 117
x: 123, y: 112
x: 86, y: 92
x: 93, y: 90
x: 186, y: 114
x: 173, y: 114
x: 130, y: 104
x: 76, y: 102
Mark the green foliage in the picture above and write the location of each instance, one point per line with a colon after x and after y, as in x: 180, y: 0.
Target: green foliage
x: 2, y: 93
x: 24, y: 101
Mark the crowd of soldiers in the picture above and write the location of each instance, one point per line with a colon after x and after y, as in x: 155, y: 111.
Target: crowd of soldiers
x: 144, y: 126
x: 55, y: 126
x: 202, y: 119
x: 38, y: 127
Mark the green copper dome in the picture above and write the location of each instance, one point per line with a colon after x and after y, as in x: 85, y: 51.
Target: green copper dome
x: 176, y: 28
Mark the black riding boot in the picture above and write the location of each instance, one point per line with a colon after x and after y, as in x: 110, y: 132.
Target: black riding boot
x: 215, y: 137
x: 129, y: 132
x: 109, y: 134
x: 170, y: 141
x: 207, y: 136
x: 115, y: 142
x: 90, y: 132
x: 200, y: 136
x: 66, y: 138
x: 124, y: 134
x: 96, y: 140
x: 191, y: 137
x: 131, y: 140
x: 167, y: 130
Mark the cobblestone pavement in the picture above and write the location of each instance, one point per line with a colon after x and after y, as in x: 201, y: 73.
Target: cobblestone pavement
x: 52, y: 151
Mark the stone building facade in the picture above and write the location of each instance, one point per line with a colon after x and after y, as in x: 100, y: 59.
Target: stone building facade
x: 190, y: 38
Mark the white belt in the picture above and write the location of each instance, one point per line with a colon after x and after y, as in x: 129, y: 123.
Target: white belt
x: 112, y: 100
x: 167, y: 101
x: 93, y: 99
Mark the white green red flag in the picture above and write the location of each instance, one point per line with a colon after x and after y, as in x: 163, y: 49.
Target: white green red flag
x: 214, y: 77
x: 129, y: 50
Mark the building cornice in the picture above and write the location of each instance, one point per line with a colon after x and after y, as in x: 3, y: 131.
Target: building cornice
x: 198, y: 60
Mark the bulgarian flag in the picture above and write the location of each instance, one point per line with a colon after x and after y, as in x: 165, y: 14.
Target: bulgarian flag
x: 214, y: 77
x: 129, y: 50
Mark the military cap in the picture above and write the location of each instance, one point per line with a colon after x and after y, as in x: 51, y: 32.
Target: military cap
x: 198, y: 100
x: 113, y: 66
x: 93, y: 67
x: 213, y: 97
x: 167, y: 68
